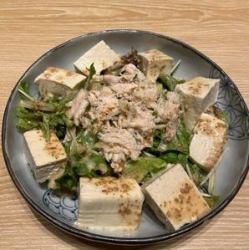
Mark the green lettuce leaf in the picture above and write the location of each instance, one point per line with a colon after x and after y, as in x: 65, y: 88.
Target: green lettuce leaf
x: 83, y: 162
x: 143, y: 166
x: 181, y: 141
x: 87, y: 166
x: 27, y: 120
x: 195, y: 172
x: 68, y: 182
x: 46, y: 115
x: 175, y: 157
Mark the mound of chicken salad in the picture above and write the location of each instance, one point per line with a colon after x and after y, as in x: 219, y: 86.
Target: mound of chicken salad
x: 124, y: 127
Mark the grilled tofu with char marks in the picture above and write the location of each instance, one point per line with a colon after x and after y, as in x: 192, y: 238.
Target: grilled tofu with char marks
x: 101, y: 55
x: 155, y: 62
x: 174, y: 198
x: 46, y: 157
x: 197, y: 95
x: 57, y: 82
x: 208, y: 141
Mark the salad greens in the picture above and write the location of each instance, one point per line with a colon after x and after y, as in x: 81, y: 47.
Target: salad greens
x: 49, y: 114
x: 196, y: 173
x: 143, y: 167
x: 177, y: 151
x: 169, y: 82
x: 92, y: 72
x: 84, y: 160
x: 43, y: 115
x: 179, y: 143
x: 182, y: 139
x: 24, y: 91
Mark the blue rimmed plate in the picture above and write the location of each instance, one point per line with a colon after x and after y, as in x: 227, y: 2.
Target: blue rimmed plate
x: 62, y: 211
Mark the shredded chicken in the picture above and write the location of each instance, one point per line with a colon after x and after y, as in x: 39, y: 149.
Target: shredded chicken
x: 129, y: 73
x: 147, y: 94
x: 123, y: 90
x: 168, y: 111
x: 124, y: 113
x: 79, y: 106
x: 118, y: 145
x: 138, y: 118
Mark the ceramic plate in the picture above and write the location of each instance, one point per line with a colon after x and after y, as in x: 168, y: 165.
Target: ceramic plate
x: 62, y: 211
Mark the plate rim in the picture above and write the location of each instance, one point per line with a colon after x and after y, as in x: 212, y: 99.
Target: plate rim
x: 113, y: 239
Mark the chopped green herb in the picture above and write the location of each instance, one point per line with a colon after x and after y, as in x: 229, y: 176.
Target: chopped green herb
x: 45, y: 127
x: 169, y: 82
x: 23, y: 89
x: 92, y: 72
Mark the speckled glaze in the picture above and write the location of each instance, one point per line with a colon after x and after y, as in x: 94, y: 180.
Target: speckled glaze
x: 62, y: 211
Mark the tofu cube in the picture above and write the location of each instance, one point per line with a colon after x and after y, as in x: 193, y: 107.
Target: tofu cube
x: 45, y: 157
x: 56, y: 81
x: 197, y: 95
x: 154, y: 62
x: 208, y: 141
x: 174, y: 198
x: 101, y: 55
x: 110, y: 205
